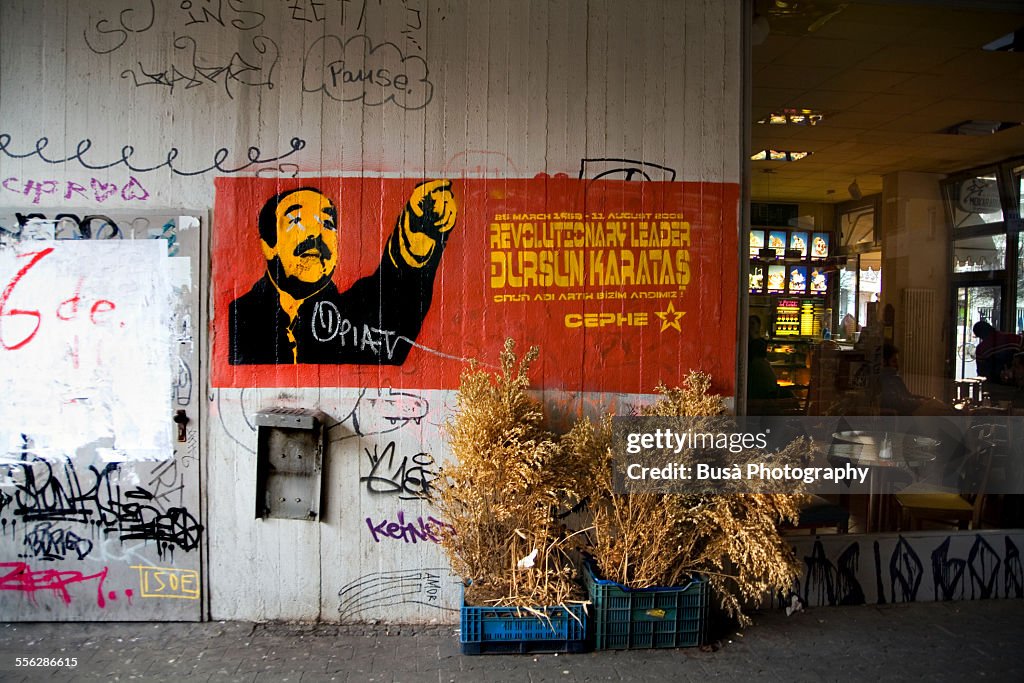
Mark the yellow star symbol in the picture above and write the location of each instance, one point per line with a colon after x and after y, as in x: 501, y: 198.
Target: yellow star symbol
x: 670, y: 318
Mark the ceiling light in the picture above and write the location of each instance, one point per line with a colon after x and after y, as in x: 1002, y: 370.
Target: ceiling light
x: 794, y: 117
x: 1011, y: 42
x: 979, y: 127
x: 778, y: 155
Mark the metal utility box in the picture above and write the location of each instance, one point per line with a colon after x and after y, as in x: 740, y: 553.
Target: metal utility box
x: 289, y: 463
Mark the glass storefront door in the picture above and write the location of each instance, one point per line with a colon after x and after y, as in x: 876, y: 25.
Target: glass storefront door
x: 974, y: 303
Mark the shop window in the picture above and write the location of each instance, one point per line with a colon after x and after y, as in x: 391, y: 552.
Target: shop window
x: 974, y: 200
x: 979, y: 254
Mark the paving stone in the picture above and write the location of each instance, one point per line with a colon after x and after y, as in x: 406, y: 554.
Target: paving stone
x: 932, y: 641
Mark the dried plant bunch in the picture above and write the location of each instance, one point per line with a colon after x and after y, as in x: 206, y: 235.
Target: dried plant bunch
x: 504, y: 490
x: 646, y: 538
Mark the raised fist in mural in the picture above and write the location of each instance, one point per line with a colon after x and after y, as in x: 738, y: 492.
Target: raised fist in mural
x: 428, y: 216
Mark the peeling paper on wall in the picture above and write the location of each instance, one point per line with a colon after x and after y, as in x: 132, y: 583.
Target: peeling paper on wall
x: 86, y: 350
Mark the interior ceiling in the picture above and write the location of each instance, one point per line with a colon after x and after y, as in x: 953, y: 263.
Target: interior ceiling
x: 888, y: 76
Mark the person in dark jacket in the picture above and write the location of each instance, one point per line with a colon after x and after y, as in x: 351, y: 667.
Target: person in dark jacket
x: 295, y: 313
x: 994, y: 354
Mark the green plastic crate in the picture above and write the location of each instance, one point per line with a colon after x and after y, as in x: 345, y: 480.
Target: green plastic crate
x: 627, y: 619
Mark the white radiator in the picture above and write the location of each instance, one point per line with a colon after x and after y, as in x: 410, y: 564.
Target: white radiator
x: 921, y: 348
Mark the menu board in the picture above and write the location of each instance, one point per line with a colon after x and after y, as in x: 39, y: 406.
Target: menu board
x: 819, y: 245
x: 819, y: 281
x: 756, y: 279
x: 811, y: 311
x: 798, y: 242
x: 787, y: 318
x: 756, y: 242
x: 777, y: 279
x: 797, y: 279
x: 777, y: 241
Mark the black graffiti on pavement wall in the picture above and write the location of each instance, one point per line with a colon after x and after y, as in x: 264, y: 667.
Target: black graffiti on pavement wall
x: 254, y: 157
x: 981, y: 574
x: 46, y: 491
x: 47, y: 541
x: 388, y: 589
x: 408, y: 477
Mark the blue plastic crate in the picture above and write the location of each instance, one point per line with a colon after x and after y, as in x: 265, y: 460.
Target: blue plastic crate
x: 507, y: 630
x: 628, y: 619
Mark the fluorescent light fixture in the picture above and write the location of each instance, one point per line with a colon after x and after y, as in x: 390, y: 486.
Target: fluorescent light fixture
x: 778, y: 155
x: 794, y: 117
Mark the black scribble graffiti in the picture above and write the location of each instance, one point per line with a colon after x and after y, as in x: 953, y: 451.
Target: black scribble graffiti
x: 286, y: 170
x: 414, y: 23
x: 879, y: 587
x: 396, y: 407
x: 355, y: 69
x: 848, y: 588
x: 46, y: 492
x: 624, y: 169
x: 69, y: 226
x: 381, y: 412
x: 905, y: 572
x: 408, y: 481
x: 821, y: 577
x: 190, y: 73
x: 254, y: 155
x: 48, y: 542
x: 106, y: 38
x: 212, y: 11
x: 983, y: 569
x: 166, y: 482
x: 174, y: 528
x: 247, y: 446
x: 947, y: 573
x: 1013, y: 572
x: 306, y: 10
x: 5, y: 500
x: 388, y: 589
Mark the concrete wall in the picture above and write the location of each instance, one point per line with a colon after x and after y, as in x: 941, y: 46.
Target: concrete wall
x: 137, y: 105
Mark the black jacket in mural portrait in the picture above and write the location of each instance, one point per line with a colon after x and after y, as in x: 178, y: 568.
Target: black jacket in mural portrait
x: 374, y: 322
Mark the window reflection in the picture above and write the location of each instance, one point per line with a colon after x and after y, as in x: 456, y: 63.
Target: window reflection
x: 974, y: 201
x: 979, y: 254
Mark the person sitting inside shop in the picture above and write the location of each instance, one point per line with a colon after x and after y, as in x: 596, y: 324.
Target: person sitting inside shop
x: 994, y: 355
x: 895, y: 398
x: 764, y: 395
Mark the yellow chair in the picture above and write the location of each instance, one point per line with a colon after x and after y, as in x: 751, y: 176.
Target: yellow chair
x: 951, y: 507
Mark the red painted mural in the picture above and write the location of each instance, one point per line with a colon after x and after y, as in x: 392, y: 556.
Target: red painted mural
x: 356, y: 282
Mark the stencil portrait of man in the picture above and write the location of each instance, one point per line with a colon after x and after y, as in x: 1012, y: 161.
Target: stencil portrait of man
x: 295, y: 312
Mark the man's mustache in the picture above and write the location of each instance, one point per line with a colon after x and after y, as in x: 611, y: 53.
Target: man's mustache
x: 313, y: 242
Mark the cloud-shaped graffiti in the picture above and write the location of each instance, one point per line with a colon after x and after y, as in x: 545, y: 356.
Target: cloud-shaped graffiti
x: 355, y: 69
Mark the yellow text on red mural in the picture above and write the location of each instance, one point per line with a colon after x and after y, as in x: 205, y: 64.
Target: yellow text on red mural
x: 588, y: 234
x: 604, y: 319
x: 598, y: 253
x: 596, y: 267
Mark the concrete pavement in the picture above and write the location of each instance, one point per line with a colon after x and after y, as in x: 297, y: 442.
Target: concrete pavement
x: 950, y: 641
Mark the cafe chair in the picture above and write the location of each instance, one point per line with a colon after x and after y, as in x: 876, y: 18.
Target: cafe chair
x: 820, y: 513
x: 953, y: 508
